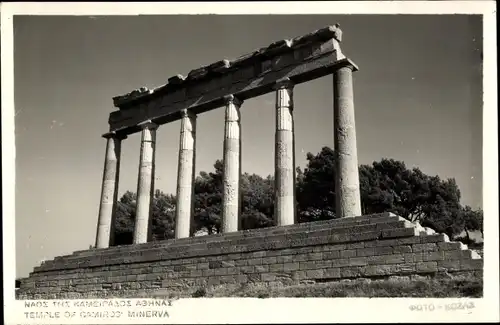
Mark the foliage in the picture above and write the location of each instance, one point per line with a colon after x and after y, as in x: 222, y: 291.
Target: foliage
x: 163, y: 216
x: 385, y: 186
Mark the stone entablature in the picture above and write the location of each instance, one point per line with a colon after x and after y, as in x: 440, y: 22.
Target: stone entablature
x: 300, y: 59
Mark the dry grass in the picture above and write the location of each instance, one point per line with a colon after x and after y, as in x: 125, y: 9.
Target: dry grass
x: 465, y: 286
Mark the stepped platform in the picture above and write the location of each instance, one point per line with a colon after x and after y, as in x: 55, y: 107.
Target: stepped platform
x: 371, y: 246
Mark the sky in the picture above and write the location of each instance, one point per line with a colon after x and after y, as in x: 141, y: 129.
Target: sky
x: 417, y: 96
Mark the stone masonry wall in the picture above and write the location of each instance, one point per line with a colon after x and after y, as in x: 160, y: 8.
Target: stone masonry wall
x: 363, y: 247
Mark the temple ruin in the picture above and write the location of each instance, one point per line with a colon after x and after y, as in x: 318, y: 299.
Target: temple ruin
x: 347, y: 247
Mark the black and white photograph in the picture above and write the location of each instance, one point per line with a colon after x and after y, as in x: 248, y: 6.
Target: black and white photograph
x: 159, y: 158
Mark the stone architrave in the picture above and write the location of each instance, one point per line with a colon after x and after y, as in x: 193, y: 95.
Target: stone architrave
x: 232, y: 165
x: 186, y: 176
x: 284, y: 155
x: 145, y: 184
x: 109, y: 192
x: 348, y: 200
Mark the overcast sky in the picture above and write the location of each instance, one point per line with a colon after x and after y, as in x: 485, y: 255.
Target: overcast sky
x: 417, y: 99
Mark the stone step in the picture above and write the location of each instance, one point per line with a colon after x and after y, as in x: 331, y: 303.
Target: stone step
x: 261, y: 232
x: 228, y: 247
x: 241, y: 237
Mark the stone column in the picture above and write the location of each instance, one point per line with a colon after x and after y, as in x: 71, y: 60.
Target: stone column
x: 348, y: 201
x: 284, y: 155
x: 185, y: 176
x: 109, y: 192
x: 232, y: 166
x: 145, y: 183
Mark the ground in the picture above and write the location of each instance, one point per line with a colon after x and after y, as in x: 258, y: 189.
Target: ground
x: 405, y: 287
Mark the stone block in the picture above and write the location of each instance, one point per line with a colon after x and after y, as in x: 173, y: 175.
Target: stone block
x: 365, y: 251
x: 243, y: 262
x: 376, y: 270
x: 471, y: 264
x: 315, y: 274
x: 384, y: 243
x: 259, y: 254
x: 299, y: 275
x: 228, y: 279
x: 401, y: 249
x: 220, y: 271
x: 314, y: 256
x: 406, y: 268
x: 255, y: 261
x: 436, y: 238
x: 350, y: 272
x: 275, y: 267
x: 402, y: 232
x: 428, y: 247
x: 433, y: 256
x: 341, y: 262
x: 427, y: 267
x: 241, y: 278
x: 332, y: 273
x: 261, y: 268
x: 357, y: 245
x: 358, y: 261
x: 370, y: 235
x: 384, y: 250
x: 348, y: 253
x: 337, y: 247
x: 414, y: 257
x: 290, y: 266
x: 331, y: 254
x: 247, y: 269
x: 445, y: 246
x: 409, y: 240
x: 307, y: 265
x: 449, y: 265
x: 453, y: 254
x: 196, y: 273
x: 284, y: 259
x: 267, y: 277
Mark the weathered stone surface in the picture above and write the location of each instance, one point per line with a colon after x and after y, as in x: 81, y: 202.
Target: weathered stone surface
x: 185, y: 175
x: 284, y: 155
x: 145, y: 183
x: 232, y: 166
x: 291, y: 260
x: 134, y: 94
x: 109, y: 192
x: 348, y: 200
x: 248, y: 76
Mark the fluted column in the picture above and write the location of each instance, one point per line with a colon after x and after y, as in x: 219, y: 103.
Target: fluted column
x: 109, y: 192
x: 348, y: 201
x: 145, y: 183
x: 284, y: 155
x: 232, y: 166
x: 185, y: 175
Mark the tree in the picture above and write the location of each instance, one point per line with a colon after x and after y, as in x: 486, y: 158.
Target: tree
x: 208, y: 200
x: 163, y: 216
x: 257, y: 201
x: 470, y: 220
x: 385, y: 186
x: 316, y: 187
x: 257, y: 208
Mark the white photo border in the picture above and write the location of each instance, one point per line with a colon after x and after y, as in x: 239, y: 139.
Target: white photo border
x: 249, y: 310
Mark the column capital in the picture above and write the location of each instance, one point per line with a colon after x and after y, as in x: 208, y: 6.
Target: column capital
x: 346, y: 63
x: 114, y: 135
x: 148, y: 124
x: 187, y: 113
x: 228, y: 99
x: 284, y: 83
